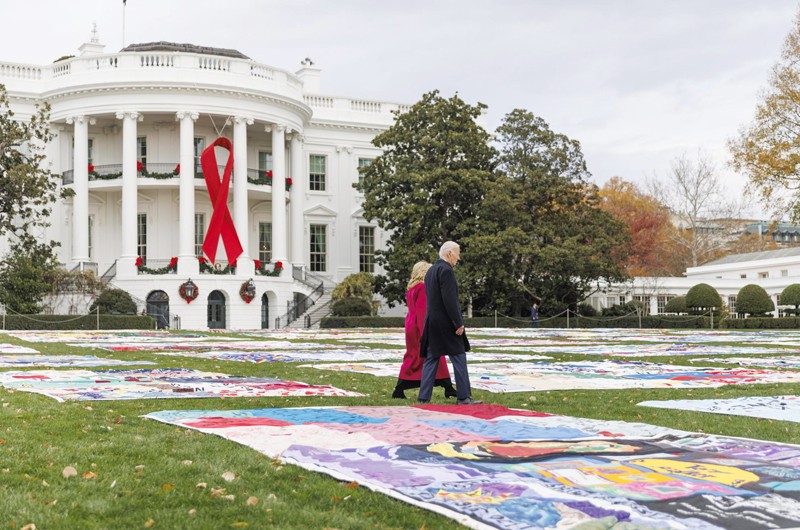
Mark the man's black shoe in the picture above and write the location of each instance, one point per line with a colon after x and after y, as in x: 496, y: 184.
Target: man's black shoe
x: 468, y: 401
x: 423, y: 401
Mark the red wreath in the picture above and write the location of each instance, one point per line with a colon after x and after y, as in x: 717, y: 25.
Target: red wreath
x: 182, y: 291
x: 243, y: 293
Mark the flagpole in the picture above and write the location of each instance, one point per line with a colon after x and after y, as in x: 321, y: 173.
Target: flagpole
x: 124, y: 4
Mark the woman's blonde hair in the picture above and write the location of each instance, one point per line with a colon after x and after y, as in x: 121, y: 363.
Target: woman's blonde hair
x: 418, y: 274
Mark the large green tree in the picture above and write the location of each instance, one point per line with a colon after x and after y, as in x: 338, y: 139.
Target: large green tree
x: 543, y: 228
x: 27, y: 192
x: 428, y: 187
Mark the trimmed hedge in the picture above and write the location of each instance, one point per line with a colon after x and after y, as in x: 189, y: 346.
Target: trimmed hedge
x: 761, y: 323
x: 352, y: 307
x: 676, y: 305
x: 69, y: 322
x: 702, y: 297
x: 754, y: 300
x: 696, y: 322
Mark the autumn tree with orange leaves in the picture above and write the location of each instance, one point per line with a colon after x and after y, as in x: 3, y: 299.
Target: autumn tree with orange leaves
x: 649, y: 251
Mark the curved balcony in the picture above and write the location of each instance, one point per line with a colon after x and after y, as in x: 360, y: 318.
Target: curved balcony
x: 163, y: 171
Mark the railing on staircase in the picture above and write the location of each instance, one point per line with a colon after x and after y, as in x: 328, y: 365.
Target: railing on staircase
x: 301, y: 306
x: 110, y: 273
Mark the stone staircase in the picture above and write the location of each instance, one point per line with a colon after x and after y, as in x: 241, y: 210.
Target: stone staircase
x: 314, y: 314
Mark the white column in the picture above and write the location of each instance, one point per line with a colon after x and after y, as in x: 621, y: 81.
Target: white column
x: 130, y: 202
x: 298, y: 180
x: 80, y: 202
x: 244, y: 264
x: 279, y: 196
x: 187, y: 260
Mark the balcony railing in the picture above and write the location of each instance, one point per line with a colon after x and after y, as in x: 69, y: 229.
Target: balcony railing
x: 220, y: 267
x: 160, y: 171
x: 156, y: 266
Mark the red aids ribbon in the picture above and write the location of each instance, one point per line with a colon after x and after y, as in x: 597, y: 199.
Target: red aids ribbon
x: 221, y: 222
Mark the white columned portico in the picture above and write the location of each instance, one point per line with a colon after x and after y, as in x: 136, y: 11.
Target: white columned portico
x: 187, y: 260
x: 296, y: 226
x: 126, y: 266
x: 244, y: 265
x: 279, y: 252
x: 80, y: 202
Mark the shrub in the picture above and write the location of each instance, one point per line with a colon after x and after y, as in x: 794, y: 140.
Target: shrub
x: 691, y: 322
x: 620, y: 310
x: 701, y: 298
x: 754, y: 301
x: 791, y: 296
x: 354, y: 286
x: 676, y: 305
x: 60, y: 322
x: 352, y: 307
x: 114, y: 301
x: 586, y: 310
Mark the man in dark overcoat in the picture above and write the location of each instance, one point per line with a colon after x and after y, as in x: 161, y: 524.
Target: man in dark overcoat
x: 443, y: 333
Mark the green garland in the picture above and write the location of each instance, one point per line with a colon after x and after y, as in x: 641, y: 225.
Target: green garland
x: 208, y: 269
x: 172, y: 267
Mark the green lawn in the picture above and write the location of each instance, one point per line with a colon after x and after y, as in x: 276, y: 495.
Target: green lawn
x: 40, y: 437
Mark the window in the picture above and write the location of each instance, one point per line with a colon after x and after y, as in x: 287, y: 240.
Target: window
x: 316, y: 173
x: 362, y: 163
x: 622, y: 299
x: 199, y: 233
x: 264, y: 242
x: 743, y: 276
x: 784, y: 273
x: 611, y: 300
x: 90, y: 153
x: 91, y: 226
x: 661, y: 302
x: 645, y: 300
x: 763, y: 275
x: 141, y: 236
x: 264, y: 161
x: 732, y: 306
x: 141, y: 150
x: 318, y: 248
x: 199, y: 147
x: 366, y: 249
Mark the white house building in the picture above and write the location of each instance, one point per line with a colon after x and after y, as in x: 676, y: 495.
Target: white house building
x: 125, y: 121
x: 774, y: 270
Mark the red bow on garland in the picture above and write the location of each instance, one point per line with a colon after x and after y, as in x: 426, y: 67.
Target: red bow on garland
x: 221, y: 222
x: 138, y: 166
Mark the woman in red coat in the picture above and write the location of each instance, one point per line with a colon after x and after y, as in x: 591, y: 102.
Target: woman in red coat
x: 411, y: 371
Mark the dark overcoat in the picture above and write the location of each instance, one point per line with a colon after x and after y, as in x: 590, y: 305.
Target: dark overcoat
x: 444, y: 313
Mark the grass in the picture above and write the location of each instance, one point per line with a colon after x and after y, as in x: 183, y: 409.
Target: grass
x: 40, y: 437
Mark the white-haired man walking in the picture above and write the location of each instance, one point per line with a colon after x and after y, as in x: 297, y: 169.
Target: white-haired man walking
x: 443, y: 333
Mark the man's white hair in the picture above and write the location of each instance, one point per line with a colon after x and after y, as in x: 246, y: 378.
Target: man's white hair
x: 447, y: 248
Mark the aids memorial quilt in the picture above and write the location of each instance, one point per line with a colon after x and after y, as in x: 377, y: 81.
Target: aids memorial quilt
x: 588, y: 375
x: 55, y: 361
x: 201, y: 346
x: 365, y: 354
x: 87, y: 385
x: 650, y: 350
x: 783, y: 408
x: 131, y: 337
x: 787, y: 361
x: 487, y: 466
x: 14, y: 349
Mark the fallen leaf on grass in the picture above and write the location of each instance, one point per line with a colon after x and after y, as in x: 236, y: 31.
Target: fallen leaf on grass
x: 44, y: 483
x: 272, y: 497
x: 89, y: 475
x: 240, y: 524
x: 69, y: 471
x: 192, y: 512
x: 229, y: 497
x: 252, y: 501
x: 29, y: 527
x: 186, y: 462
x: 141, y: 466
x: 217, y: 492
x: 149, y: 523
x: 353, y: 485
x: 201, y: 485
x: 167, y: 487
x: 228, y: 476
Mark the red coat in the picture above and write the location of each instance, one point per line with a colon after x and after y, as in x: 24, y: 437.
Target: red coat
x: 415, y: 321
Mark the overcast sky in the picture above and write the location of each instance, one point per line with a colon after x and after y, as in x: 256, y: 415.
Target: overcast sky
x: 636, y: 82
